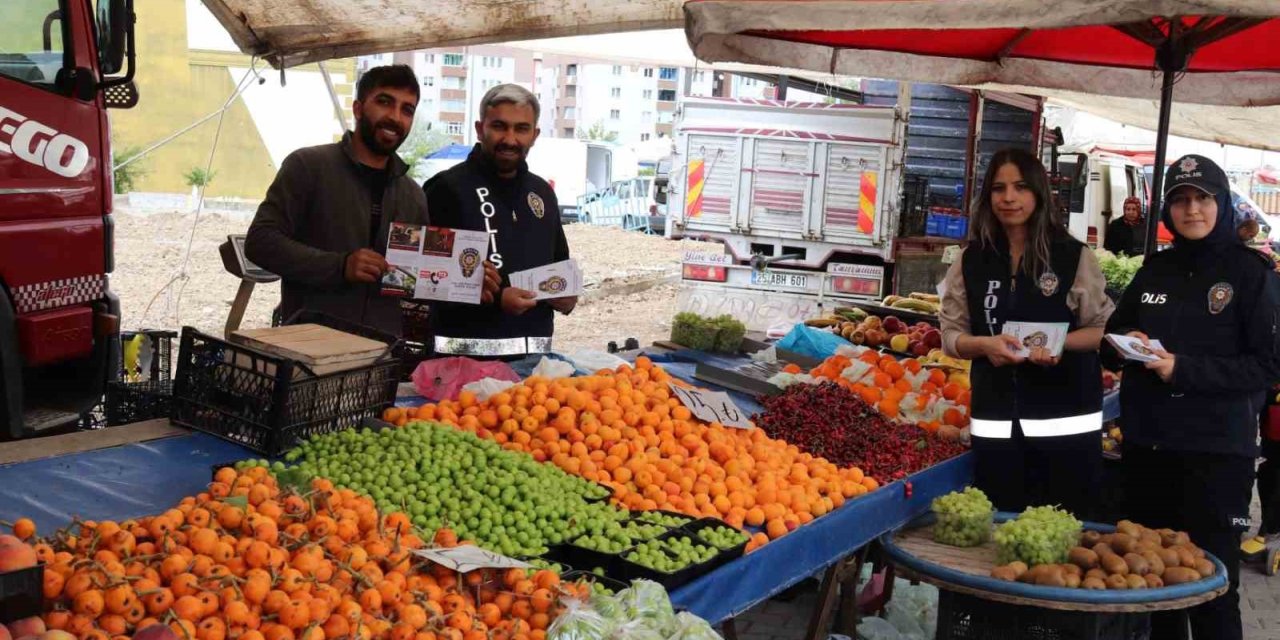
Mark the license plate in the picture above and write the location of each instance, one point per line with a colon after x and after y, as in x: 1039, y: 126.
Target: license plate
x: 774, y: 279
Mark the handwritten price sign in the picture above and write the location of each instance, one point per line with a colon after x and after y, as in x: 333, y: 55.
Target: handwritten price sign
x: 712, y: 406
x: 467, y: 558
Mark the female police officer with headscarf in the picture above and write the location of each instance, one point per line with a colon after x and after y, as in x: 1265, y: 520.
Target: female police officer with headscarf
x: 1190, y: 418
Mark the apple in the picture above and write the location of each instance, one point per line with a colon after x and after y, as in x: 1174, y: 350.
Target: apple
x: 919, y: 349
x: 933, y: 338
x: 893, y: 324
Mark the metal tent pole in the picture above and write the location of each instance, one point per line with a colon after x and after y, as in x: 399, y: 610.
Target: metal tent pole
x: 1162, y: 148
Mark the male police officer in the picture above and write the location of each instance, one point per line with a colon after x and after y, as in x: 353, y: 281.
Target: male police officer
x: 494, y: 192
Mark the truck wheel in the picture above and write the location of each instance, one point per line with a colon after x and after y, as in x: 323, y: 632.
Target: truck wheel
x: 1273, y: 561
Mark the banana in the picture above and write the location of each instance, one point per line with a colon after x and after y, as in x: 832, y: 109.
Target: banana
x: 851, y: 314
x: 820, y: 323
x: 889, y: 300
x: 927, y: 297
x: 915, y: 305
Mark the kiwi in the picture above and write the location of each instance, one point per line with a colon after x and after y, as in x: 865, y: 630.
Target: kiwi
x: 1169, y: 557
x: 1168, y: 537
x: 1071, y: 570
x: 1030, y: 575
x: 1094, y: 584
x: 1123, y: 543
x: 1153, y: 581
x: 1204, y: 567
x: 1051, y: 577
x: 1137, y: 564
x: 1181, y: 537
x: 1128, y: 527
x: 1180, y: 575
x: 1103, y: 549
x: 1090, y: 538
x: 1083, y: 558
x: 1005, y: 573
x: 1185, y: 557
x: 1096, y: 573
x: 1117, y: 581
x: 1019, y: 567
x: 1115, y: 565
x: 1136, y: 581
x: 1154, y: 561
x: 1072, y: 579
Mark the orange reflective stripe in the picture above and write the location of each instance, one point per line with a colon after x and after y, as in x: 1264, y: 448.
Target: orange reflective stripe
x: 867, y: 202
x: 697, y: 176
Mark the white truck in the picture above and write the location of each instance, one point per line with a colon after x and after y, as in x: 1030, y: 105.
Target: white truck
x: 1099, y: 183
x: 576, y: 168
x: 804, y: 197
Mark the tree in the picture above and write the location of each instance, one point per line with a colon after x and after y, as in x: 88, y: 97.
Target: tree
x: 198, y: 177
x: 597, y: 133
x: 126, y: 178
x: 424, y: 139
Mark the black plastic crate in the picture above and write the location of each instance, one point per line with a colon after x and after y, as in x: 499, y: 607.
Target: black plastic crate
x: 686, y: 518
x: 410, y: 354
x: 627, y: 570
x: 415, y: 320
x: 21, y: 594
x: 965, y: 617
x: 726, y: 555
x: 582, y: 558
x: 134, y: 402
x: 915, y: 206
x: 269, y: 403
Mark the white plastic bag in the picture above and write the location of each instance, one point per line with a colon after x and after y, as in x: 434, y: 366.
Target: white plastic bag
x: 593, y: 360
x: 691, y: 627
x: 648, y: 603
x: 551, y: 368
x: 578, y: 622
x: 877, y: 629
x: 769, y: 355
x: 487, y: 388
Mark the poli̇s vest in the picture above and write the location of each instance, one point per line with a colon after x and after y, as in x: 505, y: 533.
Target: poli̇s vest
x: 1064, y: 399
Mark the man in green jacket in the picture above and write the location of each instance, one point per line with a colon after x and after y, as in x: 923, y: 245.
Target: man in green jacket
x: 323, y: 225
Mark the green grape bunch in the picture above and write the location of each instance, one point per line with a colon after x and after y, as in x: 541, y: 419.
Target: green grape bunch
x: 963, y: 518
x: 1040, y: 535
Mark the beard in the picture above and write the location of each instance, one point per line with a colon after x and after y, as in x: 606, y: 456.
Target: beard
x: 368, y: 133
x: 507, y: 163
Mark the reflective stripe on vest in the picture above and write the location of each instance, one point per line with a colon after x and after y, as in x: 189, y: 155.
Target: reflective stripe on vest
x: 980, y: 428
x: 1068, y: 426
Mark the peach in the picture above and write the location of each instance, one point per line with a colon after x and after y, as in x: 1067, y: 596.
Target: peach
x: 14, y: 557
x: 32, y: 626
x: 4, y: 633
x: 153, y: 632
x: 55, y: 634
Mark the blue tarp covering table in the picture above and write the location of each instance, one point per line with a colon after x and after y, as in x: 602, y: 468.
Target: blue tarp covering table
x: 139, y: 479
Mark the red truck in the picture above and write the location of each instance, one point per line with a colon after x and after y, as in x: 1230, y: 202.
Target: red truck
x: 63, y: 63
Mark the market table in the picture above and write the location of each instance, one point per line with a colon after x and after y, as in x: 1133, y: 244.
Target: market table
x: 137, y: 470
x: 969, y: 599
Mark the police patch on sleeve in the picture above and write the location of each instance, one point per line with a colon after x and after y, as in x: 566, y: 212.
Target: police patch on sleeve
x: 536, y: 204
x: 1219, y: 297
x: 1048, y: 283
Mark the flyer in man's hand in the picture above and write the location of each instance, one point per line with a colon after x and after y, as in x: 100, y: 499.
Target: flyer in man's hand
x: 556, y: 280
x: 434, y: 263
x: 1133, y: 349
x: 1030, y: 335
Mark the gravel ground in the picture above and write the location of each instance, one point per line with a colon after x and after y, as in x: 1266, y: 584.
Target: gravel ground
x: 153, y: 294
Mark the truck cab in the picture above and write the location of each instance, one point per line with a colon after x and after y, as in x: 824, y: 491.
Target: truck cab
x: 1095, y: 186
x: 60, y: 62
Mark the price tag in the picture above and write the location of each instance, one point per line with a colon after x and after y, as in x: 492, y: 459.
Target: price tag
x: 712, y: 406
x: 468, y: 558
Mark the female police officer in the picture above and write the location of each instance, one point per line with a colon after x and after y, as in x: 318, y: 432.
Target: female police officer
x: 1190, y: 418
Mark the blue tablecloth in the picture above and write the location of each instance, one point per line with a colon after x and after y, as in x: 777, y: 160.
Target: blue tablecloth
x: 145, y: 478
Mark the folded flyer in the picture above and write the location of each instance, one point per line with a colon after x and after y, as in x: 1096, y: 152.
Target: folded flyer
x: 556, y: 280
x: 1049, y: 335
x: 434, y: 263
x: 1133, y: 349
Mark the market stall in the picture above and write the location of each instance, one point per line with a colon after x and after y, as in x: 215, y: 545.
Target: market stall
x: 135, y: 479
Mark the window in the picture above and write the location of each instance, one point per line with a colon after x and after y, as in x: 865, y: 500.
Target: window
x: 491, y: 62
x: 23, y: 54
x: 648, y: 94
x: 648, y: 72
x: 667, y: 95
x: 667, y: 73
x: 453, y: 59
x: 428, y: 81
x: 617, y: 69
x: 646, y: 116
x: 570, y: 113
x: 451, y: 82
x: 571, y: 70
x: 568, y: 132
x: 454, y: 128
x: 429, y: 58
x: 644, y: 137
x: 615, y: 114
x: 615, y: 92
x: 571, y: 91
x: 699, y: 76
x: 456, y: 106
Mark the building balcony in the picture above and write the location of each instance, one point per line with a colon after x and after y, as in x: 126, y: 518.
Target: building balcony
x: 667, y: 84
x: 453, y: 94
x: 568, y: 101
x: 566, y: 123
x: 664, y: 129
x: 666, y: 106
x: 453, y: 116
x: 453, y: 72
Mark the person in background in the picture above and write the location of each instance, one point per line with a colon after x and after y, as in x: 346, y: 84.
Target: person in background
x: 1191, y: 417
x: 493, y: 191
x: 1036, y: 419
x: 1248, y: 230
x: 1126, y: 235
x: 323, y: 224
